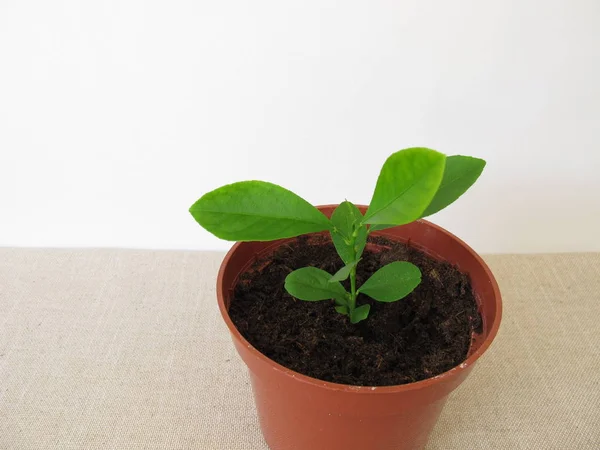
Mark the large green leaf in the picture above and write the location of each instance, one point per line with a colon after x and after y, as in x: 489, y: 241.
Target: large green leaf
x: 392, y: 282
x: 312, y: 284
x: 406, y: 185
x: 256, y: 211
x: 379, y: 227
x: 459, y: 175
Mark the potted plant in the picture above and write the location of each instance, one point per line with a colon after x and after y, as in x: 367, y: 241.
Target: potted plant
x: 357, y: 351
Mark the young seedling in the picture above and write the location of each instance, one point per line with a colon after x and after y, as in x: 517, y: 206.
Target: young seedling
x: 413, y: 183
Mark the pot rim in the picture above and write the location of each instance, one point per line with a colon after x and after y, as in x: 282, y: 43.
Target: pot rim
x: 493, y: 330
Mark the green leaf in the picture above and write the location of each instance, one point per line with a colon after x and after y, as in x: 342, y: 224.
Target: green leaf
x: 392, y: 282
x: 459, y: 175
x: 256, y: 211
x: 345, y: 250
x: 343, y: 220
x: 360, y: 313
x: 379, y: 227
x: 343, y: 309
x: 312, y: 284
x: 361, y: 241
x: 406, y: 185
x: 343, y: 247
x: 344, y: 272
x: 345, y: 217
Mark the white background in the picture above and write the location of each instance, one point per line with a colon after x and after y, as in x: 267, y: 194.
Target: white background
x: 115, y: 116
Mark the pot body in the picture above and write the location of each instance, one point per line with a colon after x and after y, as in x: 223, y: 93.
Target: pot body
x: 297, y: 412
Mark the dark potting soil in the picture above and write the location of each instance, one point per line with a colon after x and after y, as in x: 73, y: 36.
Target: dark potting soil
x: 420, y: 336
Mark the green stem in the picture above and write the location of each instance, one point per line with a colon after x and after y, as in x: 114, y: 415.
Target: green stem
x: 352, y: 303
x: 353, y: 294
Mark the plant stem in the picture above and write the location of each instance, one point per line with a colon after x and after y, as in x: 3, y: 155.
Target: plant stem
x: 352, y: 303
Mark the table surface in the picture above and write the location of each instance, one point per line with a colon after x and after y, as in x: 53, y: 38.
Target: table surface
x: 125, y: 349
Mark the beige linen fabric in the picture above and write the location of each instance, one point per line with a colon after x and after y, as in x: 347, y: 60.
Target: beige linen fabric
x: 122, y: 349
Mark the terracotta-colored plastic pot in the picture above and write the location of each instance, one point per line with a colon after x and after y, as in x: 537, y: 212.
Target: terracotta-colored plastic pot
x: 298, y: 412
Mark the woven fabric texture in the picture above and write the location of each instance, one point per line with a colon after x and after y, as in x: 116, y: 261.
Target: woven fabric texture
x: 122, y: 349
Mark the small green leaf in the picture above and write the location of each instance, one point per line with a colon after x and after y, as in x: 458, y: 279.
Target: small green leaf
x: 344, y: 219
x: 392, y: 282
x: 360, y: 313
x: 459, y: 175
x: 312, y: 284
x: 257, y: 211
x: 361, y: 241
x: 344, y: 272
x: 341, y: 301
x: 406, y: 185
x: 343, y: 309
x: 342, y: 247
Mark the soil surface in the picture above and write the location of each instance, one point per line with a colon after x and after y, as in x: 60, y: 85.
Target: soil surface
x: 420, y: 336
